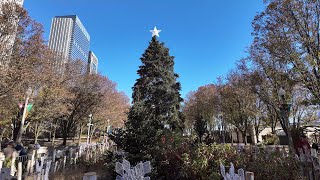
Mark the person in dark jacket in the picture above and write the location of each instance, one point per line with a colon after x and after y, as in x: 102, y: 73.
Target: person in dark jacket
x: 22, y: 151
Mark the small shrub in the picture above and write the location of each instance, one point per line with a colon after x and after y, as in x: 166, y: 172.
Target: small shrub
x: 203, y: 163
x: 274, y: 166
x: 110, y: 158
x: 272, y: 139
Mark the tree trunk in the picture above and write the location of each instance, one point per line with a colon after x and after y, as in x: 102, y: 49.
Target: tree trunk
x: 16, y: 127
x: 36, y: 138
x: 15, y: 133
x: 284, y: 121
x: 223, y: 133
x: 80, y: 133
x: 238, y: 141
x: 244, y: 136
x: 104, y: 135
x: 92, y: 130
x: 22, y: 128
x: 49, y: 136
x: 36, y: 133
x: 231, y: 138
x: 65, y: 134
x: 54, y: 135
x: 91, y: 134
x: 257, y: 135
x: 64, y: 143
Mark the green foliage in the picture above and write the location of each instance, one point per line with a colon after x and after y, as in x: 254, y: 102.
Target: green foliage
x: 155, y: 112
x: 200, y: 127
x: 156, y: 93
x: 203, y: 161
x: 272, y: 139
x: 296, y: 133
x: 110, y: 158
x: 168, y: 158
x: 179, y: 158
x: 274, y: 166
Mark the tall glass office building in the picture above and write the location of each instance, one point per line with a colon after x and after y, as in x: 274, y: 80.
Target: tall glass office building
x: 70, y: 39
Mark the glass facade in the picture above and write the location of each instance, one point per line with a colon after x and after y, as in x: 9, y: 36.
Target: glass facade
x: 69, y: 38
x: 94, y: 68
x: 80, y: 45
x: 93, y: 63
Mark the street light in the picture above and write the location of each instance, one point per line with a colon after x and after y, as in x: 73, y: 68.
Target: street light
x: 284, y: 112
x: 106, y: 132
x: 89, y: 126
x: 28, y: 94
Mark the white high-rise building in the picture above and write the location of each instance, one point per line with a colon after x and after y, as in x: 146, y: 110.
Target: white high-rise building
x: 69, y: 39
x: 7, y: 41
x: 20, y: 2
x: 92, y: 63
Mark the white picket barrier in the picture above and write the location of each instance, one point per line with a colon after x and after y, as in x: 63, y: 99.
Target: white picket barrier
x: 39, y: 163
x: 231, y: 175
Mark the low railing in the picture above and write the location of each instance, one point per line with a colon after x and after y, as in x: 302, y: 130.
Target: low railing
x: 39, y: 164
x: 23, y: 158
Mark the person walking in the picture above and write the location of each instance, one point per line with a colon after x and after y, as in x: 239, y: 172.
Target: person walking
x: 302, y: 145
x: 9, y: 152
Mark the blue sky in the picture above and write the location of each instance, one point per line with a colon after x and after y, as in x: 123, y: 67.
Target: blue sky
x: 206, y: 37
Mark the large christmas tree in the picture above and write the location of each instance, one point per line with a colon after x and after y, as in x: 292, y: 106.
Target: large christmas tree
x: 156, y: 106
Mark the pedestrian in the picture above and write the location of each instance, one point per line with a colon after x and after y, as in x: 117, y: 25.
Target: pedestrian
x: 9, y: 152
x: 302, y: 145
x: 22, y: 151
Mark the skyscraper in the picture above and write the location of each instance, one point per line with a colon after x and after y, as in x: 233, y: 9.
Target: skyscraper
x: 8, y: 33
x: 92, y: 63
x: 70, y: 39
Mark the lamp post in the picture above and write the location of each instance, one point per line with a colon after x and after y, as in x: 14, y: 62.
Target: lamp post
x: 89, y: 126
x: 106, y: 131
x: 285, y: 111
x: 21, y: 129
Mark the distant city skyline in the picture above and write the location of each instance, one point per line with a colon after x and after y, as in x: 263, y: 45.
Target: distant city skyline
x: 206, y: 37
